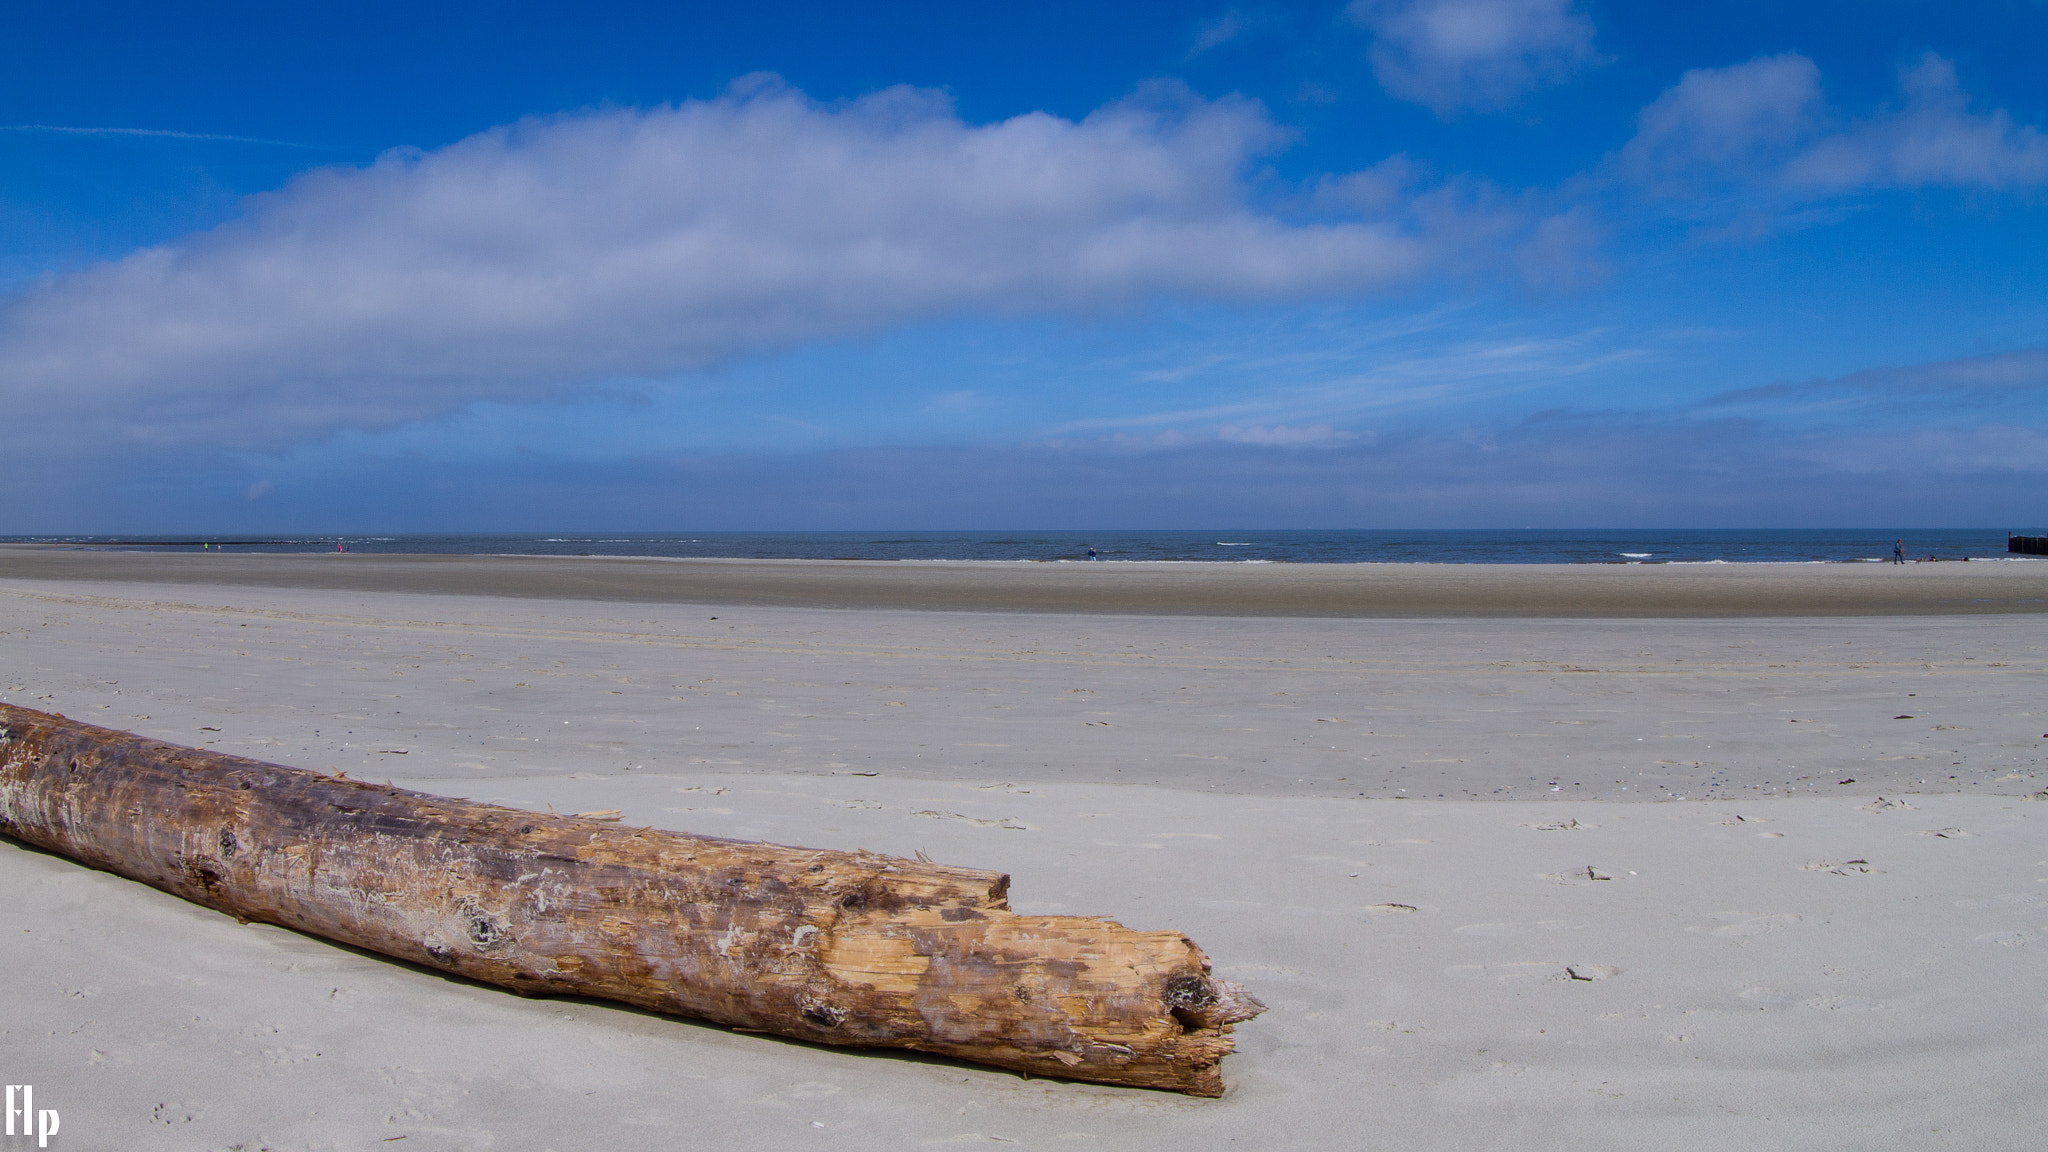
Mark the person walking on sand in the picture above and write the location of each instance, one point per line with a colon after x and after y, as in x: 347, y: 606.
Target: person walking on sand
x: 1092, y: 554
x: 1899, y: 551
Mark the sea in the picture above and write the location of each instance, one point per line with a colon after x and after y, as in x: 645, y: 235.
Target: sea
x: 1239, y: 545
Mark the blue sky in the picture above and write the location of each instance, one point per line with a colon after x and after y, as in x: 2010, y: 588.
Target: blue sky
x: 1387, y: 263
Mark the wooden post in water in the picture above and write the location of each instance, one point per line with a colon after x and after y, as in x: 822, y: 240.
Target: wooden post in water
x: 848, y: 948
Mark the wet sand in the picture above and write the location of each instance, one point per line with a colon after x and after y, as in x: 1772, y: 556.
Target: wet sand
x: 1833, y: 941
x: 1362, y: 590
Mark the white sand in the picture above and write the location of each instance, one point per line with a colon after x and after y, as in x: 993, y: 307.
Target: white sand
x: 1749, y: 984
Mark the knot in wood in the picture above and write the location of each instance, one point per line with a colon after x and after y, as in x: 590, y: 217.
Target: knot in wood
x: 483, y: 931
x: 1187, y: 990
x: 822, y: 1015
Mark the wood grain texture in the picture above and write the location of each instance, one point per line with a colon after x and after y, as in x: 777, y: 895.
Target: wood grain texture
x: 850, y: 948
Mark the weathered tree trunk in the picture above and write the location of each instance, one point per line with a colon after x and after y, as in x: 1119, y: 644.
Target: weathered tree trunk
x: 832, y: 947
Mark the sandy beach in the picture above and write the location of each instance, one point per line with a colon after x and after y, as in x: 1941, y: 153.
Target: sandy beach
x: 1547, y: 857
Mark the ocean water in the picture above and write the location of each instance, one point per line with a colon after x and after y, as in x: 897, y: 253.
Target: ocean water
x: 1267, y: 546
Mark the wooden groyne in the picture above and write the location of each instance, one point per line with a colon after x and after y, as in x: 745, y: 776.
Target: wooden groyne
x: 2028, y: 545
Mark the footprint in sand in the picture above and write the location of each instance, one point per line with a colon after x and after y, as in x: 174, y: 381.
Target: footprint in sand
x: 1577, y: 876
x: 1845, y: 1004
x: 2009, y: 939
x: 1545, y: 971
x: 1572, y: 825
x: 1883, y: 805
x: 1495, y: 930
x: 1499, y: 930
x: 2009, y: 899
x: 1389, y: 909
x: 1013, y: 825
x: 1845, y: 868
x: 1749, y: 923
x: 1510, y: 971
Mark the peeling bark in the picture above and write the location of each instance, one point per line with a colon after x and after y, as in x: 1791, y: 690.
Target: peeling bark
x: 849, y: 948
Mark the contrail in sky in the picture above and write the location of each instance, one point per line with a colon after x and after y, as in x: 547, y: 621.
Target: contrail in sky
x: 68, y: 131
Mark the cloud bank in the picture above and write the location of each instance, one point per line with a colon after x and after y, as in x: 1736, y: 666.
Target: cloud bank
x: 1953, y: 442
x: 1633, y: 471
x: 591, y: 247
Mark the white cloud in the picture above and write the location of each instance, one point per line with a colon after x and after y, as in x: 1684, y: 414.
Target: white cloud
x: 1764, y: 126
x: 1933, y: 140
x: 1479, y: 54
x: 581, y: 248
x: 1721, y: 124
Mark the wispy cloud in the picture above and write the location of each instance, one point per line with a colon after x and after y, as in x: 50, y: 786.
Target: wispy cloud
x: 1414, y: 369
x: 958, y: 403
x: 164, y: 133
x: 1284, y: 435
x: 1472, y: 224
x: 2008, y: 389
x: 1216, y: 32
x: 1951, y: 385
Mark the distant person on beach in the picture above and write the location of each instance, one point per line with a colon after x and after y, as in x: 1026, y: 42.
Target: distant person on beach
x: 1899, y: 552
x: 1092, y: 554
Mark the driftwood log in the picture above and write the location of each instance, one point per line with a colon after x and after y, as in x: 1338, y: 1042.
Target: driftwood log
x: 848, y: 948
